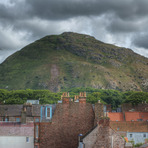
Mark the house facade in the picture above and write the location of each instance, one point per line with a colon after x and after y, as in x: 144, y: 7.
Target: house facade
x: 102, y: 136
x: 16, y: 135
x: 133, y: 130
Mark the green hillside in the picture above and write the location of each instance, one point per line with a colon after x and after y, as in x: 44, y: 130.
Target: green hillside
x: 74, y: 60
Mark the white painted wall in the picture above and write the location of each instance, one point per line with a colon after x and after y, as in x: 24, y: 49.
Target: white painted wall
x: 137, y: 137
x: 16, y: 142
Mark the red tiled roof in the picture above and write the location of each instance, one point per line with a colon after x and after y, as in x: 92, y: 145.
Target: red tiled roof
x: 115, y: 116
x: 134, y: 116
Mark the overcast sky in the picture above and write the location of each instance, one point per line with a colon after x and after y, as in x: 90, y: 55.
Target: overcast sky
x: 120, y: 22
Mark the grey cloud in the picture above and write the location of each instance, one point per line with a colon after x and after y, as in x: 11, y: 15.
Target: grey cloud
x: 64, y: 9
x: 118, y: 25
x: 141, y: 40
x: 57, y: 9
x: 122, y: 12
x: 24, y: 21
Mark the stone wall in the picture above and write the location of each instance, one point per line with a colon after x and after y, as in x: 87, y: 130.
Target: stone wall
x: 69, y: 120
x: 103, y: 137
x: 91, y: 138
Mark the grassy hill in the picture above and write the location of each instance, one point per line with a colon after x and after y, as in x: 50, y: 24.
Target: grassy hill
x: 74, y: 60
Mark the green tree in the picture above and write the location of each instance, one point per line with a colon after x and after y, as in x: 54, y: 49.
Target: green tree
x: 137, y: 97
x: 94, y: 97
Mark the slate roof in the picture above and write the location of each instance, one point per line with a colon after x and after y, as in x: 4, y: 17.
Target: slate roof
x: 10, y: 110
x: 15, y: 110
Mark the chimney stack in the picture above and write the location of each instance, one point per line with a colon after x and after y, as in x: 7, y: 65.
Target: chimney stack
x: 82, y: 97
x: 23, y: 115
x: 65, y: 98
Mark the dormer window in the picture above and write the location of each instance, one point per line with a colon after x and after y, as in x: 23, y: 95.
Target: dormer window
x: 48, y: 113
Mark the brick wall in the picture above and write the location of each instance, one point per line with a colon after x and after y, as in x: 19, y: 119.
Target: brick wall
x: 115, y: 116
x: 16, y: 129
x: 28, y: 119
x: 68, y: 122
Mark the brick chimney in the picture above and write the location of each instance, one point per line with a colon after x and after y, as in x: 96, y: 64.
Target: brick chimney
x: 82, y: 97
x: 23, y: 115
x: 65, y: 98
x: 76, y: 98
x: 104, y: 121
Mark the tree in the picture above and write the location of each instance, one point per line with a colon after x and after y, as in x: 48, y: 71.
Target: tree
x: 137, y: 97
x: 94, y: 97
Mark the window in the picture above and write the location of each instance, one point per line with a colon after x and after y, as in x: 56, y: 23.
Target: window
x: 27, y: 139
x: 48, y: 112
x: 36, y: 131
x: 144, y: 135
x: 131, y: 135
x: 17, y: 119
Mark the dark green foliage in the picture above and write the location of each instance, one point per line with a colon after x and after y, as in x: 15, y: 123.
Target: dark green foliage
x: 113, y: 97
x: 94, y: 97
x: 137, y: 97
x: 138, y: 145
x: 21, y: 96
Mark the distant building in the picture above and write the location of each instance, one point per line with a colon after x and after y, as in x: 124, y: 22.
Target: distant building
x: 16, y: 135
x: 133, y: 130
